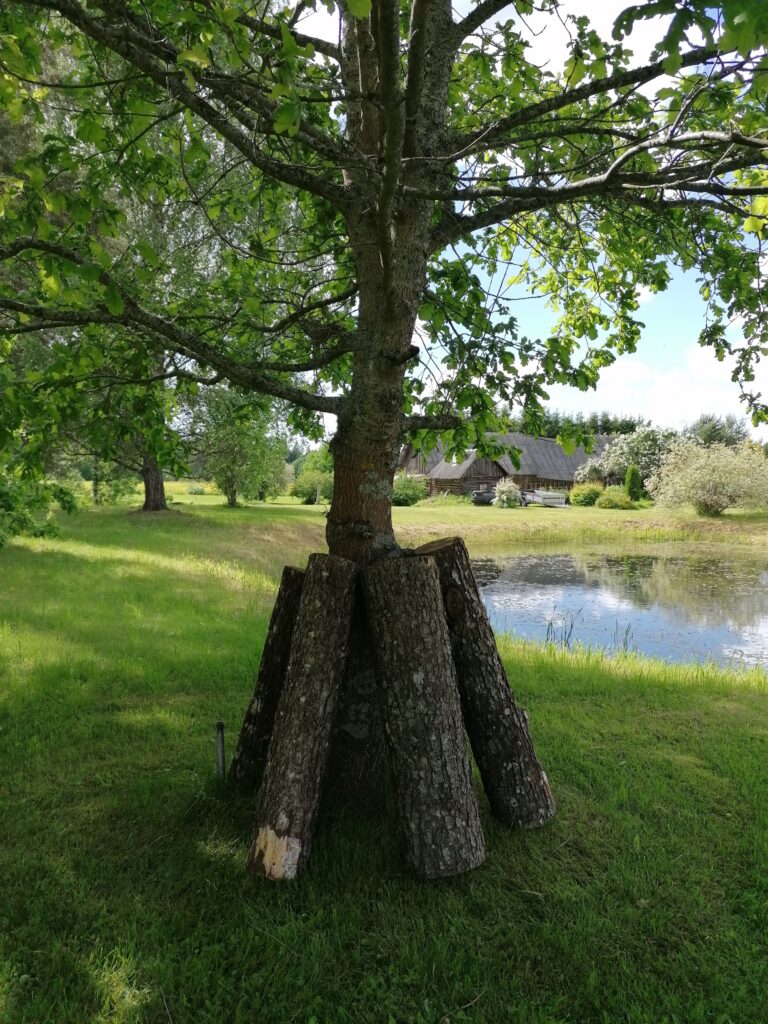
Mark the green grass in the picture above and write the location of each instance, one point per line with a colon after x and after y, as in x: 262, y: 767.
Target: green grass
x: 123, y: 896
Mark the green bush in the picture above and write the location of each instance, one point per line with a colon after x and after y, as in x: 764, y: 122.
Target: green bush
x: 585, y: 494
x: 309, y: 482
x: 507, y: 493
x: 407, y: 490
x: 712, y: 478
x: 615, y: 497
x: 633, y: 485
x: 25, y: 505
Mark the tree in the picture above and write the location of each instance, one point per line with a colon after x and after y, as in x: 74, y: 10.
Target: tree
x: 360, y: 189
x: 553, y: 423
x: 712, y: 477
x: 235, y: 446
x: 314, y: 476
x: 710, y: 428
x: 644, y: 449
x: 633, y: 484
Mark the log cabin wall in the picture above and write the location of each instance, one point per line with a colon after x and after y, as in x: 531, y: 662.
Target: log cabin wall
x: 482, y: 475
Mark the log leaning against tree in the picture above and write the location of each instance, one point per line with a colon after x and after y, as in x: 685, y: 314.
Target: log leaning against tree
x: 290, y: 793
x: 357, y: 764
x: 434, y: 795
x: 250, y: 755
x: 515, y: 782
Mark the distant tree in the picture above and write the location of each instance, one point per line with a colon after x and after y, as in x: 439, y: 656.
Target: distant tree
x: 712, y: 429
x: 632, y: 482
x: 554, y: 423
x: 712, y: 478
x: 237, y: 445
x: 314, y: 478
x: 644, y: 448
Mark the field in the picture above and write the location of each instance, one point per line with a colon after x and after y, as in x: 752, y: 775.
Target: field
x: 122, y: 891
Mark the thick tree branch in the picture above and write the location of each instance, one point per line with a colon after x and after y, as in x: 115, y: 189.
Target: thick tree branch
x: 414, y: 86
x: 702, y: 177
x: 255, y: 375
x: 388, y: 41
x: 494, y: 136
x: 260, y: 27
x: 144, y: 52
x: 444, y: 421
x: 478, y: 16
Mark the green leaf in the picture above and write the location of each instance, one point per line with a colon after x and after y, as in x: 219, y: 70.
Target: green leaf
x: 147, y: 252
x: 287, y: 118
x: 195, y: 55
x: 113, y: 300
x: 359, y: 8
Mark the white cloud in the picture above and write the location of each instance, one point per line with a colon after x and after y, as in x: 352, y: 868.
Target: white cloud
x: 669, y: 397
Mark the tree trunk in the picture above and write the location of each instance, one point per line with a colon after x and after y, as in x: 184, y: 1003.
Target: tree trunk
x: 250, y: 755
x: 154, y: 488
x: 96, y: 486
x: 290, y: 793
x: 515, y: 783
x: 435, y: 802
x: 231, y: 499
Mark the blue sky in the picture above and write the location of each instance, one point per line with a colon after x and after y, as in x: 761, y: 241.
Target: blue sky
x: 671, y: 379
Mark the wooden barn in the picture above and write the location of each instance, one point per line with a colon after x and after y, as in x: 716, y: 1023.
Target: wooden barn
x: 543, y: 464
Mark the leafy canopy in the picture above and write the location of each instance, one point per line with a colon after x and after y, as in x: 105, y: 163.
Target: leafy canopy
x: 283, y: 162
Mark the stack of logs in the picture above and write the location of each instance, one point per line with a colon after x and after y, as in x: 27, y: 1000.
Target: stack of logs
x: 437, y: 672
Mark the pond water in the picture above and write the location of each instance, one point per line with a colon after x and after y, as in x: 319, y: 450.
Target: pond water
x: 682, y: 608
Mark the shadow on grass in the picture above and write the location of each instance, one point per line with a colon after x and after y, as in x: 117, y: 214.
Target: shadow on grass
x: 123, y: 895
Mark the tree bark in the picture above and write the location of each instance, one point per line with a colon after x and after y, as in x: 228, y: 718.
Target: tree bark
x: 358, y: 759
x: 154, y: 488
x: 435, y: 802
x: 290, y: 792
x: 516, y: 785
x: 96, y: 486
x: 250, y: 755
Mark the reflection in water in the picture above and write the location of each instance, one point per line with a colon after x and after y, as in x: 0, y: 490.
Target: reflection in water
x: 680, y: 608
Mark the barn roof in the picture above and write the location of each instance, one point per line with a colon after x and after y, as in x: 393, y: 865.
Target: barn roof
x: 539, y: 456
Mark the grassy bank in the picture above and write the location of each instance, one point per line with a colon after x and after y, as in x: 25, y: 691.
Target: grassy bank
x: 122, y: 891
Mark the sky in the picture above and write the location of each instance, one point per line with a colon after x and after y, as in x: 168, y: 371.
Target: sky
x: 671, y: 379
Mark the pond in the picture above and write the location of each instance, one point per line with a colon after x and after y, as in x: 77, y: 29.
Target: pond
x: 679, y: 607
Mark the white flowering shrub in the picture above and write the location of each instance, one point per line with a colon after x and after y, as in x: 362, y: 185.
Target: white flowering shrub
x: 711, y: 478
x: 507, y: 493
x: 645, y: 448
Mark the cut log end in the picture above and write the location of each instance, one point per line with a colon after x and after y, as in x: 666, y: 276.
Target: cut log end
x: 275, y: 857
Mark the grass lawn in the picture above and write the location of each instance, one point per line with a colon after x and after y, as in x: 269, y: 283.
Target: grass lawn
x: 123, y: 895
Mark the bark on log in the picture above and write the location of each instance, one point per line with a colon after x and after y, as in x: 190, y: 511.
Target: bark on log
x: 357, y: 764
x: 516, y: 785
x: 435, y: 801
x: 250, y: 755
x: 290, y: 793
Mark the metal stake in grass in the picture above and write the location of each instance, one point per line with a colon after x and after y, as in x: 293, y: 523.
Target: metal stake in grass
x: 220, y: 750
